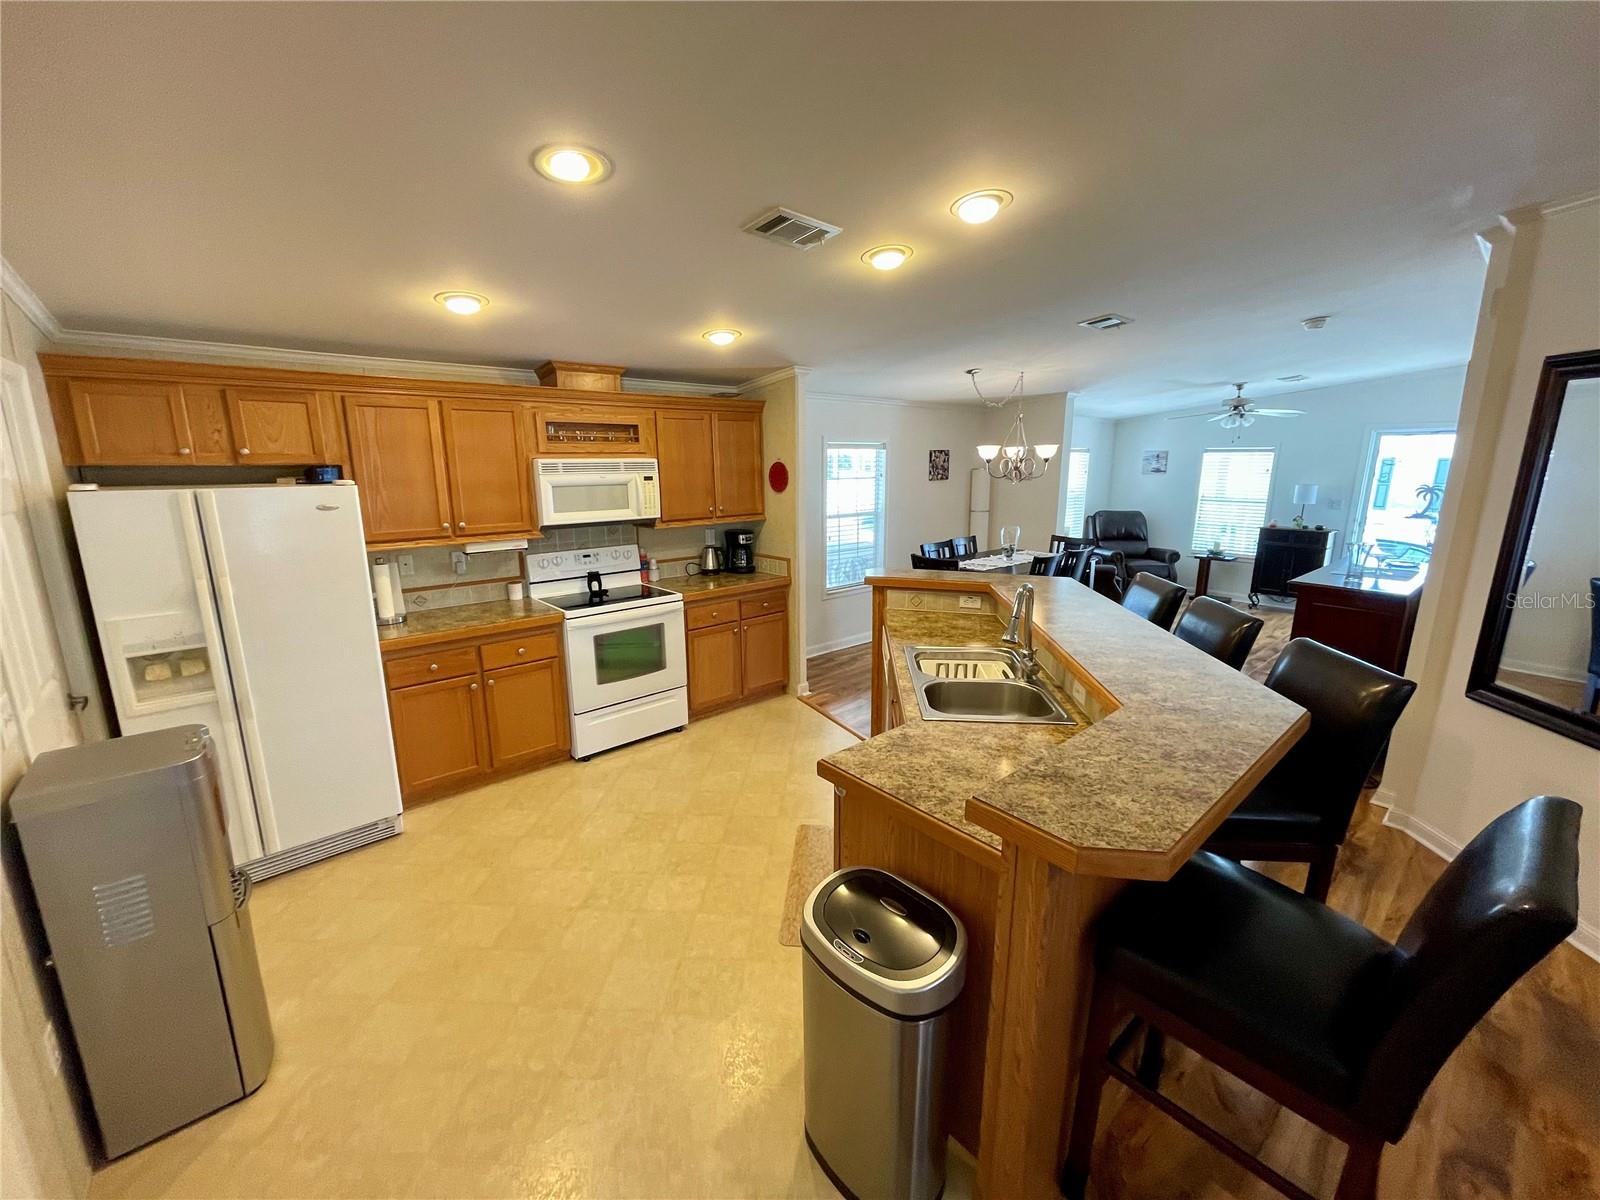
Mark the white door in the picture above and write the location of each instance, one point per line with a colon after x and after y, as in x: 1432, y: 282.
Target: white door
x: 34, y: 712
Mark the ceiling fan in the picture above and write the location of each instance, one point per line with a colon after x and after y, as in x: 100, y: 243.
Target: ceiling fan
x: 1240, y: 413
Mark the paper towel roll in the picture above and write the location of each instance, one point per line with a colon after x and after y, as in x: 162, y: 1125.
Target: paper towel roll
x: 383, y: 590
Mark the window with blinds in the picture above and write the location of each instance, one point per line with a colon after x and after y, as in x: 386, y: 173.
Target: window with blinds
x: 1234, y: 486
x: 853, y: 499
x: 1077, y: 492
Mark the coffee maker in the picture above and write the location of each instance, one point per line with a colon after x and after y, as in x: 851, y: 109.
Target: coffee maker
x: 740, y: 557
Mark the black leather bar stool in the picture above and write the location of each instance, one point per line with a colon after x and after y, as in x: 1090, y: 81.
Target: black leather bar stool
x: 1301, y: 811
x: 1312, y: 1008
x: 1219, y: 629
x: 1156, y: 600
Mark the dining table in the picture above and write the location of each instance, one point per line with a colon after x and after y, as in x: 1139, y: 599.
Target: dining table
x: 1017, y: 562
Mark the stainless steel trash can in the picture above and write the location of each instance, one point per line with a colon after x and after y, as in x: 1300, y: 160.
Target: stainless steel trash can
x: 883, y: 962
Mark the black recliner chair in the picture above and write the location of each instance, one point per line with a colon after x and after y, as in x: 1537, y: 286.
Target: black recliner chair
x: 1311, y: 1007
x: 1124, y: 535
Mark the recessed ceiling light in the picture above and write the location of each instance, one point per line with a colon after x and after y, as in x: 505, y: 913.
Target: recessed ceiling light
x: 463, y: 304
x: 977, y: 207
x: 886, y: 258
x: 721, y: 337
x: 1314, y: 323
x: 571, y: 164
x: 1293, y: 378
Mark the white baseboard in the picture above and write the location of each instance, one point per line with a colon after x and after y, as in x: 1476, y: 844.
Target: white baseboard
x: 1586, y: 938
x: 844, y: 643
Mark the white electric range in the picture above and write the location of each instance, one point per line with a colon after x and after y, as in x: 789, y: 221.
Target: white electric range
x: 626, y: 667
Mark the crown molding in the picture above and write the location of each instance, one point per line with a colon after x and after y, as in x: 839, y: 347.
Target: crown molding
x: 25, y: 298
x: 1571, y: 202
x: 797, y: 374
x: 674, y: 387
x: 891, y: 401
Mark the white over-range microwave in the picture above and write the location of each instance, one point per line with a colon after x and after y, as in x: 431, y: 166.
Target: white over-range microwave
x: 590, y: 491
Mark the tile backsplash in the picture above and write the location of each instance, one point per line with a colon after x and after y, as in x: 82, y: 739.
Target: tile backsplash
x: 433, y: 582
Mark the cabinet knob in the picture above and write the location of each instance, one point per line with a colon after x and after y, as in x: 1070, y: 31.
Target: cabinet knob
x: 491, y: 683
x: 522, y: 649
x: 244, y: 449
x: 446, y: 525
x: 472, y: 687
x: 709, y: 507
x: 461, y: 524
x: 433, y: 666
x: 184, y: 450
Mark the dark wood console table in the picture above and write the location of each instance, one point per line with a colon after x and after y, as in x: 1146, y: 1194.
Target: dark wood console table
x: 1370, y: 615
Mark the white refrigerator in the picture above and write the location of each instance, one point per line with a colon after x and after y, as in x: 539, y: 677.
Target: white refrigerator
x: 249, y: 610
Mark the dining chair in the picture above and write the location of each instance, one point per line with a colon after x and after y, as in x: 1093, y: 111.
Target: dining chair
x: 1156, y: 600
x: 1310, y: 1007
x: 1301, y: 810
x: 1072, y: 547
x: 965, y: 547
x: 944, y: 549
x: 924, y: 562
x: 1219, y: 629
x: 1047, y: 564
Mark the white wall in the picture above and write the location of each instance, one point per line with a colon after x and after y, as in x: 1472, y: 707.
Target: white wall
x: 917, y: 510
x: 1554, y: 641
x: 783, y: 534
x: 1098, y: 436
x: 1327, y: 446
x: 1036, y: 504
x: 1454, y: 765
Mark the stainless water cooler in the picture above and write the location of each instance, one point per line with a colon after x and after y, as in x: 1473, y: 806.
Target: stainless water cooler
x: 883, y: 962
x: 148, y: 929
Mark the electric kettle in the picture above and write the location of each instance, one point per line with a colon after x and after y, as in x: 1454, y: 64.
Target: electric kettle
x: 710, y: 562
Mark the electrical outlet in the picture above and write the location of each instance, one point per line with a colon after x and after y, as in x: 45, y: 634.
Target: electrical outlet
x: 52, y: 1048
x: 407, y: 566
x: 972, y: 602
x: 458, y: 560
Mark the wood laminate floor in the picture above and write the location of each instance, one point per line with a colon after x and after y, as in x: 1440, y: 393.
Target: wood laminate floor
x: 1514, y: 1114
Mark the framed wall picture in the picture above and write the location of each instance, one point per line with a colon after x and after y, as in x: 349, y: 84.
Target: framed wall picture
x: 938, y: 465
x: 1153, y: 462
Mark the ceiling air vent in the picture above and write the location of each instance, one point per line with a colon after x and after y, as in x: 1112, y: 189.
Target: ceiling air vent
x: 792, y: 228
x: 1109, y: 321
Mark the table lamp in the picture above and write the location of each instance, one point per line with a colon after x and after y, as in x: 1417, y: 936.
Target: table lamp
x: 1304, y: 494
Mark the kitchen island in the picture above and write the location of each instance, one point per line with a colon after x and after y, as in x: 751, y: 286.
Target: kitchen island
x: 1028, y: 831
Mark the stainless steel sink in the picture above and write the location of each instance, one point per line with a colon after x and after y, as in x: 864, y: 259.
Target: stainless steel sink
x: 959, y: 684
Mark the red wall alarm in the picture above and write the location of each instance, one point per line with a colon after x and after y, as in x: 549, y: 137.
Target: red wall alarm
x: 778, y: 477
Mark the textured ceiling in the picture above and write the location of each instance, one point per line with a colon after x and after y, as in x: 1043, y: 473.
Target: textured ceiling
x: 310, y: 176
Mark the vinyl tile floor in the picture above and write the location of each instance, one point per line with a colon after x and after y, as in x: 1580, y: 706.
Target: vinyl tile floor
x: 565, y: 984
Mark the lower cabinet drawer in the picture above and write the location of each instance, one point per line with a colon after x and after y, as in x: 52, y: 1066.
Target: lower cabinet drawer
x: 425, y: 668
x: 703, y: 616
x: 530, y: 647
x: 760, y: 606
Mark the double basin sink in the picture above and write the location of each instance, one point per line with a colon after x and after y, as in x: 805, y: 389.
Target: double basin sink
x: 956, y: 683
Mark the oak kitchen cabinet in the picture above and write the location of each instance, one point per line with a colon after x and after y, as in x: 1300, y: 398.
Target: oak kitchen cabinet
x: 278, y: 425
x: 467, y: 709
x: 738, y: 648
x: 711, y: 466
x: 487, y: 457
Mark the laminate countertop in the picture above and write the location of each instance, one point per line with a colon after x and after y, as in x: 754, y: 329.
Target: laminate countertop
x: 692, y: 587
x: 1131, y: 794
x: 429, y: 626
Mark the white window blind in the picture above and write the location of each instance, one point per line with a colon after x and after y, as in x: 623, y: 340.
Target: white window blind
x: 853, y: 498
x: 1077, y: 492
x: 1234, y: 485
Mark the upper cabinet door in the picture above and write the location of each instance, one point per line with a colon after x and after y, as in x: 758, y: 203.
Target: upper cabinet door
x: 277, y: 425
x: 738, y: 452
x: 489, y: 466
x: 683, y: 450
x: 397, y: 458
x: 132, y: 423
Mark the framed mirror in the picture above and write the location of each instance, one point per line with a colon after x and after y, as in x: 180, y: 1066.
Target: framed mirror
x: 1538, y: 654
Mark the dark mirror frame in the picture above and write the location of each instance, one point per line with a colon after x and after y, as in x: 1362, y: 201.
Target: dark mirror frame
x: 1559, y: 370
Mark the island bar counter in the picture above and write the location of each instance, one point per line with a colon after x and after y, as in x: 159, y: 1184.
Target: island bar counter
x: 1049, y: 830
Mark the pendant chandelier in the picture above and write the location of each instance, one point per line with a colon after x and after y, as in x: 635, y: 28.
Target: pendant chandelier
x: 1015, y: 459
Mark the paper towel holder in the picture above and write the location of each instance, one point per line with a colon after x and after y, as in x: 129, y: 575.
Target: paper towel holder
x: 391, y: 572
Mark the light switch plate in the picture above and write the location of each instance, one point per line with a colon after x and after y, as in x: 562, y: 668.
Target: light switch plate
x: 458, y: 560
x: 972, y: 602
